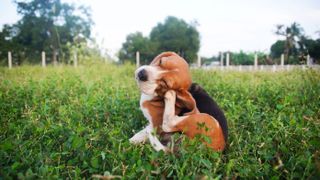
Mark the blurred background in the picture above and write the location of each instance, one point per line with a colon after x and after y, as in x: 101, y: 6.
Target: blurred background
x: 116, y: 30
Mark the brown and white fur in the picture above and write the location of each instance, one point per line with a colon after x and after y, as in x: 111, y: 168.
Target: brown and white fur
x: 164, y: 88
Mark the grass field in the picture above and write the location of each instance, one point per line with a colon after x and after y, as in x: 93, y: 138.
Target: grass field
x: 72, y: 123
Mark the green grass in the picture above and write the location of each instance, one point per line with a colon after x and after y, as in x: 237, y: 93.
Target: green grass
x: 73, y: 123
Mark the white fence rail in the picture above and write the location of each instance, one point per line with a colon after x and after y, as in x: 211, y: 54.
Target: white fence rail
x: 43, y: 60
x: 254, y: 67
x: 227, y: 66
x: 272, y: 68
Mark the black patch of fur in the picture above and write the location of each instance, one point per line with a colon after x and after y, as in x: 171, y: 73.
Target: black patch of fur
x: 207, y: 105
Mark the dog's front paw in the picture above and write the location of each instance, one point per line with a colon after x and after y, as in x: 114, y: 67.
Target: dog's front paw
x: 133, y: 140
x: 166, y: 126
x: 170, y: 94
x: 136, y: 139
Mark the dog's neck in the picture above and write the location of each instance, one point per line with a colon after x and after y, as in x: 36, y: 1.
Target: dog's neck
x: 153, y: 108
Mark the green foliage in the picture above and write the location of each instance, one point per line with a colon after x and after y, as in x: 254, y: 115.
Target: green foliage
x: 178, y: 36
x: 173, y: 35
x: 243, y: 58
x: 45, y: 26
x: 67, y: 122
x: 296, y: 45
x: 277, y: 49
x: 312, y: 47
x: 85, y: 54
x: 136, y: 42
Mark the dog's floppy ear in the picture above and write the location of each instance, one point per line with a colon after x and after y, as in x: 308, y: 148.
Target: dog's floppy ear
x: 157, y: 60
x: 185, y: 100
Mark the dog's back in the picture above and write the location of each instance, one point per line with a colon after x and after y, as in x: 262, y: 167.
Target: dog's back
x: 207, y: 105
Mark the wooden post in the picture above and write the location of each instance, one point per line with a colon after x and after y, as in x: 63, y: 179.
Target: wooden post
x: 308, y: 60
x: 228, y: 60
x: 138, y: 59
x: 282, y: 60
x: 221, y: 58
x: 199, y: 61
x: 43, y: 58
x: 240, y: 67
x: 75, y: 59
x: 9, y: 60
x: 256, y: 61
x: 273, y: 68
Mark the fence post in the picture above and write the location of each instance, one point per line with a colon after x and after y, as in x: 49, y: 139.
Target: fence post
x: 282, y: 60
x: 199, y: 61
x: 273, y: 68
x: 256, y: 61
x: 9, y: 60
x: 308, y: 60
x: 221, y: 58
x: 138, y: 59
x: 43, y: 58
x: 240, y: 67
x: 228, y: 60
x: 75, y: 59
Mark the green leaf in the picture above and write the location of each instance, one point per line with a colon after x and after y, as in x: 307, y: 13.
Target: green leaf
x: 77, y: 142
x: 7, y: 145
x: 206, y: 162
x: 94, y: 162
x: 279, y: 106
x: 103, y: 155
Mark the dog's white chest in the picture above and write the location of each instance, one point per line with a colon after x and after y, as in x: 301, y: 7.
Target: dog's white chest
x: 145, y: 111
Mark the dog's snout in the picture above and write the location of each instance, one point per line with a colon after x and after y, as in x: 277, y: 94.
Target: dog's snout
x: 142, y: 75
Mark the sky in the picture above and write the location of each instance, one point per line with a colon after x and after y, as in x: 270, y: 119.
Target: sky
x: 224, y: 25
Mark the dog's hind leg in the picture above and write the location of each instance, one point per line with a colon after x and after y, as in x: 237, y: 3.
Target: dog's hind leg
x: 154, y: 141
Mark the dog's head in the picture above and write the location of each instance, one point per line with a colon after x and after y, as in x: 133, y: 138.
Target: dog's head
x: 167, y: 71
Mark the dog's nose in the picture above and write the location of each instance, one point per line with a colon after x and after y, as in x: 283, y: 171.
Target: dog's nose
x: 142, y: 75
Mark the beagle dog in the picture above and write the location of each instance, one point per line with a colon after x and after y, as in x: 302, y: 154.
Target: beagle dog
x: 169, y: 106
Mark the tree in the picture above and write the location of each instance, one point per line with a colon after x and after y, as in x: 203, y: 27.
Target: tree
x: 242, y: 58
x: 291, y: 34
x: 47, y: 25
x: 277, y: 49
x: 136, y: 42
x: 312, y: 47
x: 176, y: 35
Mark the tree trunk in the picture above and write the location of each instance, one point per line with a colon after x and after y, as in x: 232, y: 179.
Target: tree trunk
x: 286, y: 51
x: 54, y: 57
